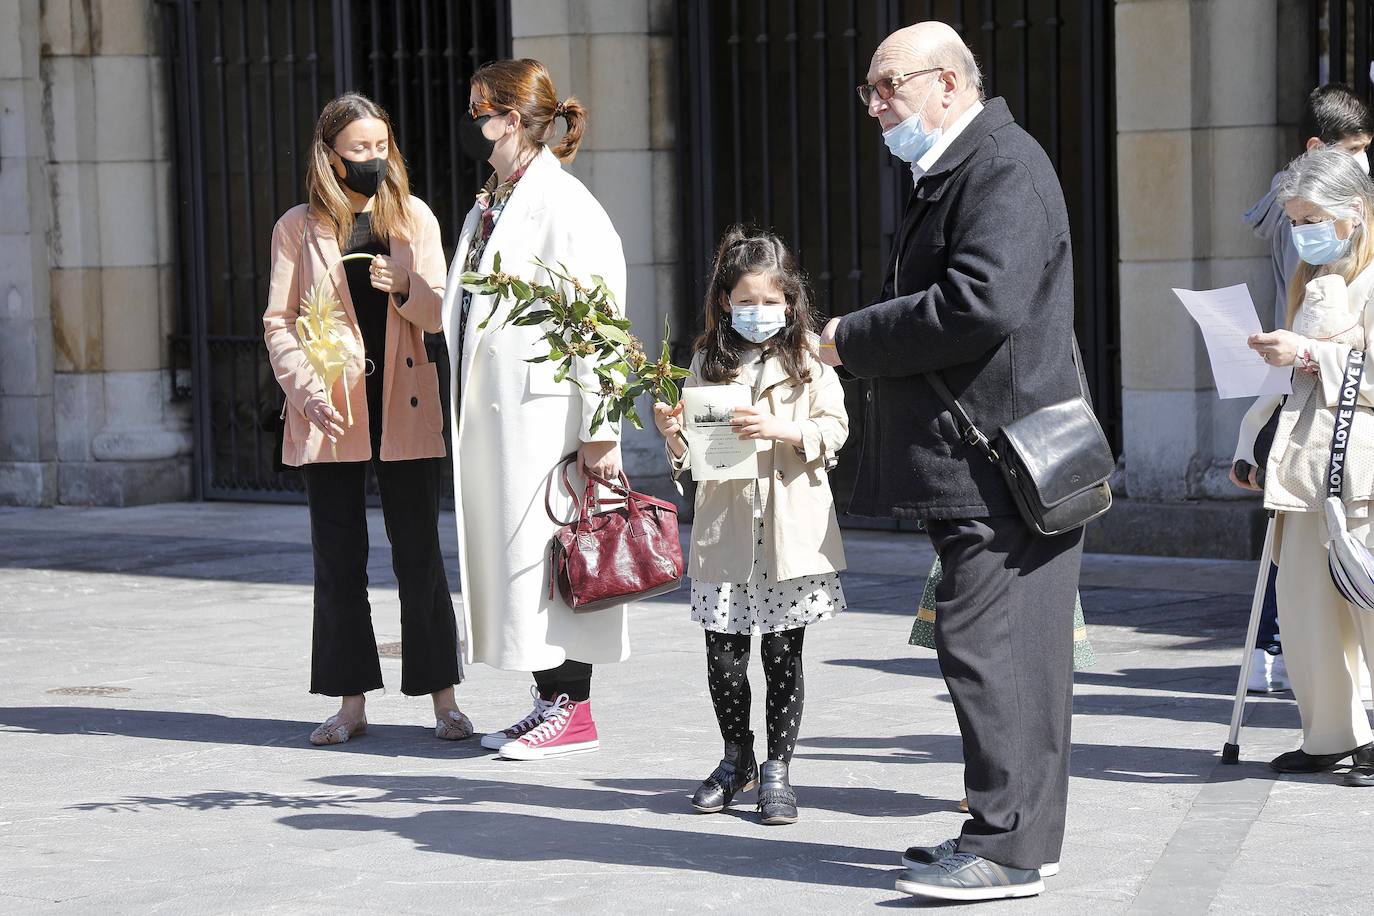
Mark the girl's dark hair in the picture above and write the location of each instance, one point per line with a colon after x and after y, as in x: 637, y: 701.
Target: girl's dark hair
x: 752, y: 251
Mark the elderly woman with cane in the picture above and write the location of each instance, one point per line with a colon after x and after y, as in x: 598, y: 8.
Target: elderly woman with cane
x: 1329, y: 200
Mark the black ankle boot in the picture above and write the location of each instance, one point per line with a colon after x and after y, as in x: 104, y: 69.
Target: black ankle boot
x: 777, y: 801
x: 737, y: 772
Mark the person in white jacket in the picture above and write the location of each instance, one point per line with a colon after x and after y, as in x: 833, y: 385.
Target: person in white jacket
x: 514, y: 421
x: 1329, y: 200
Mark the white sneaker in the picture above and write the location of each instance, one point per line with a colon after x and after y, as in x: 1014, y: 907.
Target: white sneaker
x: 1268, y: 673
x: 497, y: 740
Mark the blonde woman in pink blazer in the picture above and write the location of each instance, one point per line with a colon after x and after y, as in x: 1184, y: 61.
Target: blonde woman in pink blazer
x: 360, y: 203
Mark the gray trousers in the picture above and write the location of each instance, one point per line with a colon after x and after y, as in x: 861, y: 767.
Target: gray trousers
x: 1004, y: 638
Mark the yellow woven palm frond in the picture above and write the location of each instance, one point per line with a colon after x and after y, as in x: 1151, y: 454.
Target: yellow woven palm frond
x: 326, y: 340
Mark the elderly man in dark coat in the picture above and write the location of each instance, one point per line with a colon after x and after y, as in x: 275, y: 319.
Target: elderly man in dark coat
x: 979, y: 289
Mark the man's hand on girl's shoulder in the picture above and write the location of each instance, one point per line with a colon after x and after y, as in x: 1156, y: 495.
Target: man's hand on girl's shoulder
x: 829, y: 355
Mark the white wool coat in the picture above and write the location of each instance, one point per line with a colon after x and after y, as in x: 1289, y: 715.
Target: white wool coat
x: 512, y: 423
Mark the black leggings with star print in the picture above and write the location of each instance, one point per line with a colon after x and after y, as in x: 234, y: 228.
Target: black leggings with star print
x: 727, y: 674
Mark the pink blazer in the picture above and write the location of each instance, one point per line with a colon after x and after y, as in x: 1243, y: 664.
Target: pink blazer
x: 303, y: 249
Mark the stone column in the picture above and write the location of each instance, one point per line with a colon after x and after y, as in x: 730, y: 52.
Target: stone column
x: 1199, y: 139
x: 119, y: 439
x: 28, y: 469
x: 617, y: 56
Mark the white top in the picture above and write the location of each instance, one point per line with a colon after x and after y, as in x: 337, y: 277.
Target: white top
x: 947, y: 138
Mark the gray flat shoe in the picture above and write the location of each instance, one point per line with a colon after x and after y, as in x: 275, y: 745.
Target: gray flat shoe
x: 334, y: 731
x: 453, y: 727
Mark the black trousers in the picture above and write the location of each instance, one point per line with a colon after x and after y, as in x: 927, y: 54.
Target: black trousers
x: 344, y: 658
x: 1004, y: 638
x: 572, y: 677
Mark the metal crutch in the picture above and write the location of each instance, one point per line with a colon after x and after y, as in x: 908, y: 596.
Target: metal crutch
x: 1230, y: 752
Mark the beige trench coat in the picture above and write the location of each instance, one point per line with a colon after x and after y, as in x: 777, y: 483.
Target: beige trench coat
x: 1334, y: 318
x: 804, y: 536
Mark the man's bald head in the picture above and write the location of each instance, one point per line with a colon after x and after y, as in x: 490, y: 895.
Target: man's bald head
x: 925, y: 45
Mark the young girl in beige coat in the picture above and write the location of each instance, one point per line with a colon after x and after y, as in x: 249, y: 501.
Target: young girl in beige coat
x: 765, y: 551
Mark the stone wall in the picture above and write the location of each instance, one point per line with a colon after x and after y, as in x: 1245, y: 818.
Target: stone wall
x: 617, y: 57
x: 100, y: 249
x: 28, y: 471
x: 1202, y: 125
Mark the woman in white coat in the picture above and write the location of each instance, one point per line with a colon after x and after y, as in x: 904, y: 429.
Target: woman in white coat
x: 513, y: 422
x: 1329, y: 200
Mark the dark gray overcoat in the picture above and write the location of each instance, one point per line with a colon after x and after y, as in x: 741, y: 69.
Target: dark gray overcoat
x: 983, y: 294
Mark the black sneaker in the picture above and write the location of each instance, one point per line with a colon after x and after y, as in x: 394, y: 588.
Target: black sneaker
x: 1360, y: 776
x: 964, y: 876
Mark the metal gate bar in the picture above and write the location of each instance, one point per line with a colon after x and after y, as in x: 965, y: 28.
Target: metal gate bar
x: 732, y: 87
x: 246, y: 78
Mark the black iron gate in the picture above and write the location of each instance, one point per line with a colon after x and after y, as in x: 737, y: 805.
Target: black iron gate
x: 247, y: 79
x: 1341, y: 42
x: 771, y: 133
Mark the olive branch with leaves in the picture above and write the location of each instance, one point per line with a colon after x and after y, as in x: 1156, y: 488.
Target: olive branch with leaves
x: 584, y: 325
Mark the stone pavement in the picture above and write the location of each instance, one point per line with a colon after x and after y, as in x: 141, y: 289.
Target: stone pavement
x: 153, y: 716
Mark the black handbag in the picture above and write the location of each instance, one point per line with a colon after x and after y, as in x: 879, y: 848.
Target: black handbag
x: 1056, y: 460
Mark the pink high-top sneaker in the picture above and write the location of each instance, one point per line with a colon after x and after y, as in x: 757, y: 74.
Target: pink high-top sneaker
x: 567, y: 728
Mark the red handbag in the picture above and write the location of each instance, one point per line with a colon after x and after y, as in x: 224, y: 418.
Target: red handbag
x: 628, y: 553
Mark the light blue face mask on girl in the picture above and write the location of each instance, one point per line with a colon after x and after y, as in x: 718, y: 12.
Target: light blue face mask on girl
x: 757, y: 323
x: 909, y: 141
x: 1318, y: 244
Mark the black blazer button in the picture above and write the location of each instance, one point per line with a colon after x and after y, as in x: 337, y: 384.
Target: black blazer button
x: 414, y: 402
x: 410, y: 363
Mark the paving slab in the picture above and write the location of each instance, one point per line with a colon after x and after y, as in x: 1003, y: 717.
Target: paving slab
x: 153, y: 717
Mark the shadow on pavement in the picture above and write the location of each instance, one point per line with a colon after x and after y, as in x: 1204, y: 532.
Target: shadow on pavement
x: 458, y: 820
x: 1105, y: 762
x: 667, y: 797
x: 381, y: 740
x: 503, y: 837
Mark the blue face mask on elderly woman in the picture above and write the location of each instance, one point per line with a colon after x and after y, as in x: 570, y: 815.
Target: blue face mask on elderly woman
x: 1317, y: 243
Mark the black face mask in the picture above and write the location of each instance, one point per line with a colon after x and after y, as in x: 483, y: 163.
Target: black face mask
x: 364, y: 177
x: 470, y: 137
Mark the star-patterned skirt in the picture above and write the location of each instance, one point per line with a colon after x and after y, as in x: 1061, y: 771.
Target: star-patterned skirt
x: 761, y: 605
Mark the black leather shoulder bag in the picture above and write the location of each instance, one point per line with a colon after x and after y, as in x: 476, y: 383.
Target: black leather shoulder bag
x: 1056, y: 460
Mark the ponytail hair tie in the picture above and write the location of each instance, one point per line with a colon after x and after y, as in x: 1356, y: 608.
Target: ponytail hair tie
x: 560, y: 110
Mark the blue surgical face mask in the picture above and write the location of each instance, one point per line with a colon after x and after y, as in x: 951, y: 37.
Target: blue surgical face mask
x: 909, y: 140
x: 757, y: 323
x: 1318, y: 244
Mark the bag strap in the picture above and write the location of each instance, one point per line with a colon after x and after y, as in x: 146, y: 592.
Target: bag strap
x: 1345, y: 417
x: 968, y: 431
x: 588, y: 502
x: 567, y: 485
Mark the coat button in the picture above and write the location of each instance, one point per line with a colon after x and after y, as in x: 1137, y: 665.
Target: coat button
x: 410, y: 363
x: 414, y: 402
x: 491, y: 350
x: 496, y: 408
x: 868, y: 396
x: 779, y: 475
